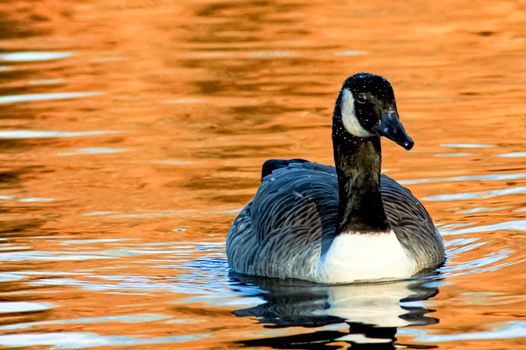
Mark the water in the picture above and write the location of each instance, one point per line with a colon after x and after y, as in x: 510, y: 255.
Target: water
x: 133, y: 132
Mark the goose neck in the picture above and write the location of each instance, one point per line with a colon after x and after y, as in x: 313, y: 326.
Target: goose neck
x: 358, y: 165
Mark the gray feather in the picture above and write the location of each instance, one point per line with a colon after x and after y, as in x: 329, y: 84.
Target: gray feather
x: 283, y: 231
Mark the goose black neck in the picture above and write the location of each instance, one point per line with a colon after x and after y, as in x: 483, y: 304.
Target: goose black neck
x: 358, y: 164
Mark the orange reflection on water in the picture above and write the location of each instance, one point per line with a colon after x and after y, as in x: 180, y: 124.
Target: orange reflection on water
x: 123, y: 230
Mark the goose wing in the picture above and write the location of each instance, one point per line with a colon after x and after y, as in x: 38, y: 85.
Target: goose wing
x: 300, y: 193
x: 411, y: 222
x: 295, y: 203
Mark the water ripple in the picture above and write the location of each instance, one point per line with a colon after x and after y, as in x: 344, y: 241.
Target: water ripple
x: 130, y: 318
x: 452, y: 154
x: 462, y: 245
x: 45, y: 97
x: 47, y: 256
x: 29, y: 56
x: 79, y: 340
x: 35, y: 134
x: 467, y: 145
x: 46, y: 82
x: 481, y: 209
x: 478, y: 195
x: 513, y: 155
x: 487, y: 177
x: 5, y: 277
x: 24, y: 306
x: 347, y: 53
x: 93, y: 150
x: 515, y: 225
x: 36, y: 199
x: 493, y: 261
x: 512, y: 329
x: 260, y: 54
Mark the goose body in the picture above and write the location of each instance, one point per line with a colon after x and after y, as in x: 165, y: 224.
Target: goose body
x: 338, y: 224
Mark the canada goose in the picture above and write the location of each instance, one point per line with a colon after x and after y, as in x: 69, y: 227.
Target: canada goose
x: 339, y: 224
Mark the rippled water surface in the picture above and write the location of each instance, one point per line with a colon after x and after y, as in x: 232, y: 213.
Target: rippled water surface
x: 132, y: 132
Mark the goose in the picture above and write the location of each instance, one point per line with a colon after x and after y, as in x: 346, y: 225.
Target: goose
x: 342, y: 224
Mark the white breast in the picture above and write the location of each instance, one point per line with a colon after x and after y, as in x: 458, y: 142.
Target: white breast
x: 354, y: 257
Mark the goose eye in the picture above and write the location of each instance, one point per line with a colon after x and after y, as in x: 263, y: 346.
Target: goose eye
x: 361, y: 98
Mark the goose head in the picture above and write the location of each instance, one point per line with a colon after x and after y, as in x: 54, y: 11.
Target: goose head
x: 366, y: 107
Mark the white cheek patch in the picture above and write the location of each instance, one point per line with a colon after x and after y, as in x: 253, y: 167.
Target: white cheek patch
x: 350, y: 122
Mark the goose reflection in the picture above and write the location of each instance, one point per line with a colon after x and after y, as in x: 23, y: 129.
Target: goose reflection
x: 372, y: 313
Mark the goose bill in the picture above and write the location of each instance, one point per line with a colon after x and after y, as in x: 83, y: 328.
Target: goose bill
x: 391, y: 127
